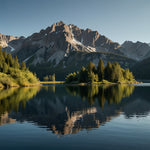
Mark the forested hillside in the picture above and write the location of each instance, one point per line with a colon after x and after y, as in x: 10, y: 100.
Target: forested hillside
x: 14, y: 74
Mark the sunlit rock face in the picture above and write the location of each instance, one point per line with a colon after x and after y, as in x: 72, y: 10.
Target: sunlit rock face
x: 5, y: 39
x: 10, y: 43
x: 57, y: 41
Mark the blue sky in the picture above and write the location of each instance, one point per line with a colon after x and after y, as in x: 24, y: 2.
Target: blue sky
x: 119, y: 20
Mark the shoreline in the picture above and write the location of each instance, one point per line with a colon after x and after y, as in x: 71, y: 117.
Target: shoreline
x: 84, y: 84
x: 52, y: 82
x: 41, y: 83
x: 17, y: 86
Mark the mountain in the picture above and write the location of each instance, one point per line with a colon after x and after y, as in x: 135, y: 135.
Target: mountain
x: 8, y: 42
x: 61, y: 39
x: 65, y: 48
x: 5, y: 39
x: 137, y: 51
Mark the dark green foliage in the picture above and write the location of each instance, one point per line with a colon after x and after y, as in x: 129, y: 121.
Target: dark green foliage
x: 72, y: 77
x: 23, y: 66
x: 112, y: 73
x: 52, y: 77
x: 16, y: 63
x: 83, y: 76
x: 49, y: 78
x: 91, y: 67
x: 116, y: 75
x: 5, y: 68
x: 5, y: 54
x: 78, y: 59
x: 92, y: 77
x: 141, y: 69
x: 108, y: 71
x: 46, y: 78
x: 11, y: 74
x: 100, y: 70
x: 127, y: 74
x: 9, y: 60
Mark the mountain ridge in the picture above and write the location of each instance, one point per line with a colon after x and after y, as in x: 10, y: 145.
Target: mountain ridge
x: 56, y: 47
x: 136, y: 50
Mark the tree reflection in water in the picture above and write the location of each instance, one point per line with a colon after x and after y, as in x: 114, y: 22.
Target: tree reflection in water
x: 14, y: 98
x: 111, y: 94
x: 63, y: 110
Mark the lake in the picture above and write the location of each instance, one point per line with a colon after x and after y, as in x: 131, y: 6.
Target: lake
x: 75, y: 117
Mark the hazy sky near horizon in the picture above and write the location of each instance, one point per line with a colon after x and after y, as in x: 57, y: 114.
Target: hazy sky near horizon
x: 119, y: 20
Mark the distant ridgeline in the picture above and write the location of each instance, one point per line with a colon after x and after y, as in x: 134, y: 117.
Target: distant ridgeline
x: 112, y: 73
x: 12, y: 74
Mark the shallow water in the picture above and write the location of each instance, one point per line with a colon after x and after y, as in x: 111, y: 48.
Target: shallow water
x: 75, y: 117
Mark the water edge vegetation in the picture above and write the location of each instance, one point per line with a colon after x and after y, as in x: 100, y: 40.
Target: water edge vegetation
x: 12, y: 74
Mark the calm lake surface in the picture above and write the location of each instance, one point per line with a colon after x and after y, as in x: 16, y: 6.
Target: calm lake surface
x: 75, y: 117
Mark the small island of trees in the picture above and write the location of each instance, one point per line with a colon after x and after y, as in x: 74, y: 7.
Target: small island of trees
x: 101, y: 74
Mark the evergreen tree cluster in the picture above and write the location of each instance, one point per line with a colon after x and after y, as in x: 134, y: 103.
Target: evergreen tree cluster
x: 110, y: 72
x: 12, y: 73
x: 7, y: 62
x: 49, y: 78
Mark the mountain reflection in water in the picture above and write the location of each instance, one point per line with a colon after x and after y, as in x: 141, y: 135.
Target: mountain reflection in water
x: 67, y: 110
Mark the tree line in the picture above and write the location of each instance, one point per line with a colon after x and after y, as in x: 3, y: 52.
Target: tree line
x: 111, y: 72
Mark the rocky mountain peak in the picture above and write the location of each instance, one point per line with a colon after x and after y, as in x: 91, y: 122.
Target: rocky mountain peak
x: 57, y: 41
x: 5, y: 39
x: 60, y: 23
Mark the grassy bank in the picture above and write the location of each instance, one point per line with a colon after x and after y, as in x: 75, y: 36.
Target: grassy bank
x: 18, y: 78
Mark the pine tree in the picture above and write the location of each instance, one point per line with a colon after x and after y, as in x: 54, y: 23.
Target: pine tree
x: 108, y: 71
x: 49, y: 78
x: 100, y: 70
x: 1, y: 59
x: 53, y: 77
x: 9, y: 60
x: 91, y: 67
x: 91, y: 77
x: 5, y: 68
x: 23, y: 66
x: 16, y: 63
x: 116, y: 72
x: 5, y: 55
x: 82, y: 75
